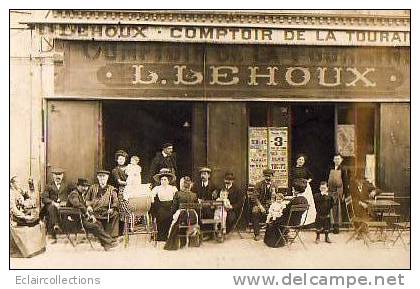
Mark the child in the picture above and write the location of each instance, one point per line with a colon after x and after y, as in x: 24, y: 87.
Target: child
x: 324, y: 205
x: 221, y: 212
x: 276, y: 208
x: 133, y: 172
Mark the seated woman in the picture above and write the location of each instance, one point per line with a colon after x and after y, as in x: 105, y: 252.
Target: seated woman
x: 162, y: 197
x: 23, y: 211
x: 177, y: 237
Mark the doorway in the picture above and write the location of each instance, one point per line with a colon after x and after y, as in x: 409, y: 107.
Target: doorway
x: 142, y: 127
x: 313, y: 129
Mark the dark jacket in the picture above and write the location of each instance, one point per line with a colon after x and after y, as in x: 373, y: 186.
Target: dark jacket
x: 296, y: 217
x: 263, y: 194
x: 182, y: 197
x: 360, y: 195
x: 159, y: 162
x: 52, y: 193
x: 204, y: 193
x: 324, y: 204
x: 76, y: 200
x: 235, y: 197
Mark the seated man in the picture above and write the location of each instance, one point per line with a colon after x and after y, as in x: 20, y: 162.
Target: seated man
x: 235, y: 198
x: 54, y: 196
x: 362, y: 190
x: 91, y: 225
x: 264, y: 193
x: 102, y: 202
x: 23, y: 211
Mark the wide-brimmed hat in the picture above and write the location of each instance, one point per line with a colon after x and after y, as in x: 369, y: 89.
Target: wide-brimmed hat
x: 229, y: 176
x: 164, y: 173
x: 121, y: 153
x: 205, y: 169
x: 57, y: 171
x: 82, y: 182
x: 102, y: 172
x: 268, y: 172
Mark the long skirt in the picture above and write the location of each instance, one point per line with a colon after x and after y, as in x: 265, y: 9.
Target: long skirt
x: 163, y: 219
x: 189, y: 234
x: 311, y: 215
x: 124, y: 207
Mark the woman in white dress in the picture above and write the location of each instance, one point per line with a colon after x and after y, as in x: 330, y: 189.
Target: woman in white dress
x: 162, y: 197
x: 300, y: 171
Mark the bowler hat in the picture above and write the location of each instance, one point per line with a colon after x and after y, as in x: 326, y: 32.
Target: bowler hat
x: 102, y: 172
x: 268, y: 172
x: 229, y: 176
x: 82, y: 182
x: 205, y: 169
x: 164, y: 173
x: 57, y: 171
x: 187, y: 179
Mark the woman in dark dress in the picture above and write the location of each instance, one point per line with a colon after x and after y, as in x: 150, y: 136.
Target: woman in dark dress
x: 162, y: 197
x: 183, y: 216
x: 120, y: 181
x: 300, y: 171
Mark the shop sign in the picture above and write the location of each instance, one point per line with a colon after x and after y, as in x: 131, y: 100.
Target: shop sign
x: 228, y: 35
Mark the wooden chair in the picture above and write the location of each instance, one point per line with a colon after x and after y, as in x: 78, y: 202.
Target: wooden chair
x: 290, y: 232
x: 140, y: 207
x: 71, y: 223
x: 217, y: 228
x: 191, y: 227
x: 362, y: 227
x: 390, y: 216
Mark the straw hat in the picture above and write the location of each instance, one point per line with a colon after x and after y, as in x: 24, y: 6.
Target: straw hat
x: 164, y: 173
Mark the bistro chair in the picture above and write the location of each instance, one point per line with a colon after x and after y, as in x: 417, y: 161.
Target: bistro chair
x: 217, y: 228
x: 140, y: 207
x: 290, y: 232
x: 190, y: 226
x: 390, y: 215
x: 71, y: 223
x: 363, y: 227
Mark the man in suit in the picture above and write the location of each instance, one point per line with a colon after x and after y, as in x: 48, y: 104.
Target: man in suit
x: 362, y: 190
x: 76, y: 199
x: 102, y: 202
x: 54, y: 196
x: 235, y: 199
x: 264, y: 193
x: 164, y: 159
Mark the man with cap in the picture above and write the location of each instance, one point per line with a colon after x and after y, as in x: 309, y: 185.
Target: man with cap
x: 264, y: 193
x: 164, y: 159
x: 235, y: 199
x: 102, y: 202
x: 54, y: 196
x: 76, y: 199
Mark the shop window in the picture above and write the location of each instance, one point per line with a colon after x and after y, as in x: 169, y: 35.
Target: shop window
x: 258, y: 114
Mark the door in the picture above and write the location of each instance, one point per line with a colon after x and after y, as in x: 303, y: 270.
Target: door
x: 73, y: 136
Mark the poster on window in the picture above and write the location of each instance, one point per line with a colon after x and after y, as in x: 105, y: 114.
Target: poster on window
x: 345, y: 140
x: 257, y: 153
x: 277, y: 152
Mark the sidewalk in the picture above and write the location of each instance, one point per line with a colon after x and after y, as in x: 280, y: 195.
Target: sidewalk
x: 233, y: 253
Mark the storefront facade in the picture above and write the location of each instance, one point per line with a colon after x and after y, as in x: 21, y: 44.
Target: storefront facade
x: 233, y: 91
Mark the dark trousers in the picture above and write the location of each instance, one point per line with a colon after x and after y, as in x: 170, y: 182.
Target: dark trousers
x: 97, y: 230
x: 111, y: 227
x: 230, y: 220
x: 53, y: 218
x: 323, y: 224
x: 256, y: 218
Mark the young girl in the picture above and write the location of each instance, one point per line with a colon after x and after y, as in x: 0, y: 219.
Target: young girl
x: 221, y: 212
x: 276, y: 208
x: 133, y: 172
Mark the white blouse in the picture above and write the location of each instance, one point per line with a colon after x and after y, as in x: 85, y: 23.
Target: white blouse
x: 164, y: 193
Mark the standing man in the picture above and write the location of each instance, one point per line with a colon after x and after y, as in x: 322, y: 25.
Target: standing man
x: 54, y: 196
x: 164, y: 159
x: 102, y: 202
x: 76, y: 199
x: 235, y: 199
x: 338, y: 184
x: 264, y: 194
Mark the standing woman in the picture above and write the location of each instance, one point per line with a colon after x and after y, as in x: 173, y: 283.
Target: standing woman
x: 300, y: 171
x: 162, y: 197
x: 120, y: 181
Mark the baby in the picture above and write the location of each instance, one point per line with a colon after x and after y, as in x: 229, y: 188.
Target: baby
x: 133, y: 172
x: 221, y: 212
x: 276, y: 208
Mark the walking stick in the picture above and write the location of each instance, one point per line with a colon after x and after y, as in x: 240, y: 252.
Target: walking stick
x: 109, y: 205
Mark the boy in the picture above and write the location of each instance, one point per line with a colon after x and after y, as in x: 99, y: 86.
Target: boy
x: 325, y: 203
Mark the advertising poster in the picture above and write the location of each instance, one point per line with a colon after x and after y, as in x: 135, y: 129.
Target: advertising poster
x: 257, y: 153
x: 277, y: 151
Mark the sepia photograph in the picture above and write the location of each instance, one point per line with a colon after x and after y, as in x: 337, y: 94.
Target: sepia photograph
x: 209, y: 139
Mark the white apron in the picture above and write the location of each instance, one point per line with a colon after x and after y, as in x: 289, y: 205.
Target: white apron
x: 311, y: 214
